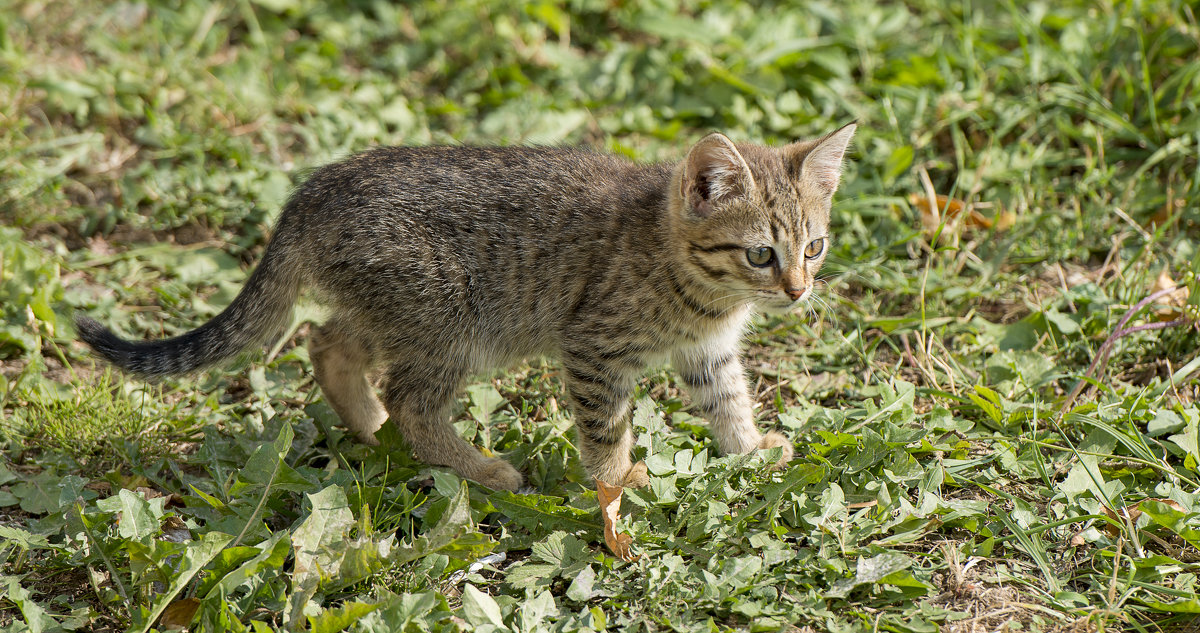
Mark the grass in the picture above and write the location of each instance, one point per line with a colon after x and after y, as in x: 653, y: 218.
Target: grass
x: 945, y: 478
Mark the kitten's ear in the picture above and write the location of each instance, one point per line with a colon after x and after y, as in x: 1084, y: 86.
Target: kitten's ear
x: 823, y: 162
x: 714, y: 170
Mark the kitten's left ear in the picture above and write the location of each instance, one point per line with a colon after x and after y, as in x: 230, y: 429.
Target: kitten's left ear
x: 823, y: 163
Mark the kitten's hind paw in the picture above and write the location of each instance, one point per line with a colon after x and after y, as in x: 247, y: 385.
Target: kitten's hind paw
x: 774, y: 439
x: 637, y: 476
x: 498, y: 474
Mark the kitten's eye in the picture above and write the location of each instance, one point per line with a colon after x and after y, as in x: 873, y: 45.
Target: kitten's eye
x: 814, y: 248
x: 760, y: 256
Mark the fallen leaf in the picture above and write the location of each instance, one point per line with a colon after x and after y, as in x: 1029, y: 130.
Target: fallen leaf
x: 1132, y: 514
x: 950, y: 209
x: 1004, y: 220
x: 179, y: 614
x: 1174, y: 504
x: 1077, y: 540
x: 100, y: 486
x: 1166, y: 212
x: 150, y: 493
x: 175, y: 530
x: 1174, y: 302
x: 1125, y: 513
x: 610, y: 511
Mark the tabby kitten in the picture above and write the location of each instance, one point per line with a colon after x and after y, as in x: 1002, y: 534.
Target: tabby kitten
x: 443, y: 262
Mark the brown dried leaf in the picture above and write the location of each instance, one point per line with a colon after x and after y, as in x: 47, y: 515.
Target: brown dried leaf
x: 1173, y: 302
x: 1174, y: 504
x: 610, y: 511
x: 152, y: 493
x: 1005, y: 220
x: 179, y: 614
x: 175, y: 530
x: 100, y: 486
x: 1120, y: 516
x: 950, y: 209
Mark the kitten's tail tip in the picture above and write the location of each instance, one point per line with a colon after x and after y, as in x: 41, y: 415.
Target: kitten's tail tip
x: 99, y: 338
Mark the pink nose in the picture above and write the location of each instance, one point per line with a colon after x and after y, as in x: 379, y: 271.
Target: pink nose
x: 794, y: 293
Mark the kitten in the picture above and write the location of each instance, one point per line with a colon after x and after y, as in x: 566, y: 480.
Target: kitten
x: 443, y: 262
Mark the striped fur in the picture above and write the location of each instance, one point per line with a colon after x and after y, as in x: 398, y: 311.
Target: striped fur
x: 440, y: 263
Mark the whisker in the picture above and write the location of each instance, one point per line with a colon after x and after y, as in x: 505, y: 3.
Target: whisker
x: 733, y: 295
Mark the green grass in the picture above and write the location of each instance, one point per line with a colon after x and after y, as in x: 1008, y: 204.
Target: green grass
x: 939, y: 483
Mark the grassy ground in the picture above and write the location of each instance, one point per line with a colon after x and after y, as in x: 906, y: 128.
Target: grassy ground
x: 947, y: 476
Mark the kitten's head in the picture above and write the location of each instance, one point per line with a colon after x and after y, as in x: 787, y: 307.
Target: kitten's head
x: 753, y: 221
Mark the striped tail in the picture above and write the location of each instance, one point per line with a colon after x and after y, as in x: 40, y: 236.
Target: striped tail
x: 259, y: 314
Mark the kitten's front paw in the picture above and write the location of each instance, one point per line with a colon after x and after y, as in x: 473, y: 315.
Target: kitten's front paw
x: 499, y: 475
x: 773, y: 439
x: 624, y: 474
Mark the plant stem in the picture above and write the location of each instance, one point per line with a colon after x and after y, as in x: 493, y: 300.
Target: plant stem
x: 1101, y: 358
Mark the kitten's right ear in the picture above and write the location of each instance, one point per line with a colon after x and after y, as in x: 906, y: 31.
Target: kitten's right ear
x: 714, y: 170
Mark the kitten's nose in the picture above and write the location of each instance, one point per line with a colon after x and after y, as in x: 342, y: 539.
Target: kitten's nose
x: 794, y: 293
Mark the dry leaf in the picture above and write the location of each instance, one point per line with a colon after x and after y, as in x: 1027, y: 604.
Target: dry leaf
x: 610, y: 511
x: 950, y: 209
x: 175, y: 530
x: 1004, y: 220
x: 1077, y: 540
x: 179, y: 614
x: 152, y: 493
x: 1166, y: 212
x: 100, y: 486
x: 1174, y: 504
x: 1132, y: 514
x: 1125, y: 513
x: 1173, y: 302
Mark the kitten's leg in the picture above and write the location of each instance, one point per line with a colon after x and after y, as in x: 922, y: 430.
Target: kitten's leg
x: 600, y: 400
x: 340, y: 364
x: 417, y: 394
x: 714, y: 376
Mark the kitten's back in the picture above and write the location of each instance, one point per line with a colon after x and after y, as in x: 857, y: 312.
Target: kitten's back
x: 474, y: 246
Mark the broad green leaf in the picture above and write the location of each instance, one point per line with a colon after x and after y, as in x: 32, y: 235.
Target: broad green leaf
x: 35, y: 616
x: 1189, y: 441
x: 870, y: 571
x: 137, y: 518
x: 898, y: 162
x: 453, y: 536
x: 24, y: 539
x: 272, y: 554
x: 479, y: 608
x: 196, y: 555
x: 266, y: 469
x: 1172, y: 519
x: 989, y: 401
x: 542, y: 514
x: 39, y: 494
x: 342, y: 617
x: 535, y: 610
x: 560, y: 549
x: 400, y: 611
x: 1186, y: 605
x: 484, y: 400
x: 319, y: 545
x: 581, y: 587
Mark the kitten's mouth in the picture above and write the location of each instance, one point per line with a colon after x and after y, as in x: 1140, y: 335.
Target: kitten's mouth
x: 781, y: 306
